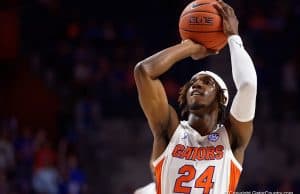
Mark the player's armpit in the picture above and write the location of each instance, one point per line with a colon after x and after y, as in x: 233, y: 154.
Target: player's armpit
x: 239, y: 135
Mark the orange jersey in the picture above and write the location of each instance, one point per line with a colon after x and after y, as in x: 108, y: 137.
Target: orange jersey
x: 197, y: 164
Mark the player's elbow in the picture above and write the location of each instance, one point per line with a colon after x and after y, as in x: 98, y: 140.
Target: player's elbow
x: 249, y: 84
x: 141, y: 69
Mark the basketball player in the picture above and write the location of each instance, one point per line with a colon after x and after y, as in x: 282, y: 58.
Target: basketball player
x: 205, y: 153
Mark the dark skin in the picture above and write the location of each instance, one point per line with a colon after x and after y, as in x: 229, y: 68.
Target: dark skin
x: 202, y: 103
x: 201, y: 97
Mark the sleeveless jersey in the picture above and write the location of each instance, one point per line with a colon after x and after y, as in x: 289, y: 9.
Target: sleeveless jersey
x: 197, y: 164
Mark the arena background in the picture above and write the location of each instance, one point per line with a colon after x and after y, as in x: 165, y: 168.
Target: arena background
x: 68, y: 105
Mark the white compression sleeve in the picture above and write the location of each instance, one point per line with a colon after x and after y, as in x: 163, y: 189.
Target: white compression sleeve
x: 244, y: 77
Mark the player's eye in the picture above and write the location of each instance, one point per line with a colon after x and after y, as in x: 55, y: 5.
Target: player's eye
x: 209, y: 81
x: 192, y: 81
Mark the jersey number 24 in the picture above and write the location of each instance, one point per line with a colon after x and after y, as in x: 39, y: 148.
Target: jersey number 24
x: 188, y: 174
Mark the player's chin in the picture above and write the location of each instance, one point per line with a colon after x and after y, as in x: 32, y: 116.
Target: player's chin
x: 196, y: 106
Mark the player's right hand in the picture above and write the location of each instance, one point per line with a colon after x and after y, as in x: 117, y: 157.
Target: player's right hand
x: 198, y: 51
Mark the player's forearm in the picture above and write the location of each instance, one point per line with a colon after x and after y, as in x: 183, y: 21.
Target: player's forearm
x: 245, y: 79
x: 243, y: 70
x: 159, y: 63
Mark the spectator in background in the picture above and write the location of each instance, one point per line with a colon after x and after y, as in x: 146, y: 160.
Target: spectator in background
x: 7, y: 158
x: 45, y: 180
x: 40, y: 139
x: 76, y: 181
x: 87, y: 113
x: 24, y: 152
x: 44, y: 156
x: 45, y: 176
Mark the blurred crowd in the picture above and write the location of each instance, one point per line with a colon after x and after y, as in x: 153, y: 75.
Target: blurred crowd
x: 32, y: 162
x: 86, y: 53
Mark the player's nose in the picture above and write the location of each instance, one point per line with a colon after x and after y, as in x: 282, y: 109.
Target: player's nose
x: 197, y: 84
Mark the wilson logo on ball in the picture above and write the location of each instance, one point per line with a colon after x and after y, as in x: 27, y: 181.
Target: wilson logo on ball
x: 201, y: 20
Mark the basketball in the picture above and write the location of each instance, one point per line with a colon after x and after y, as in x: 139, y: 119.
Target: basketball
x: 201, y: 22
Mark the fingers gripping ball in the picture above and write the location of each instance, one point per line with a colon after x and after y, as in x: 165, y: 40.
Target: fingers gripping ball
x: 202, y: 23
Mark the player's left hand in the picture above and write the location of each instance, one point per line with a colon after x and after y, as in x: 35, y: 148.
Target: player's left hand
x: 230, y: 21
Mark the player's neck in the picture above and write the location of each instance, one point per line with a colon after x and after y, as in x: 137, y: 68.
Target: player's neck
x: 204, y: 123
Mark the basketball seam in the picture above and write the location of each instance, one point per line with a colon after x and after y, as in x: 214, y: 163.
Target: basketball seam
x: 200, y: 31
x: 192, y: 11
